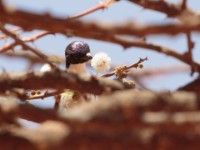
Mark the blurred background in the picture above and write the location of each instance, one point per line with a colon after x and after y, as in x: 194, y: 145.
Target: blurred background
x: 118, y: 13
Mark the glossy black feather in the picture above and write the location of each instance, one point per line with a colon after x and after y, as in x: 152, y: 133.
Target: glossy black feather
x: 76, y: 53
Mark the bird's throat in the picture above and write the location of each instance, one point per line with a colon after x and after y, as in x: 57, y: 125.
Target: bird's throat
x: 78, y: 68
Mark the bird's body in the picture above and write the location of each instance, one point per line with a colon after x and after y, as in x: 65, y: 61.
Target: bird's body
x: 77, y: 54
x: 71, y: 98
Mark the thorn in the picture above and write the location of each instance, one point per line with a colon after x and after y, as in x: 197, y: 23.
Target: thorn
x: 184, y: 4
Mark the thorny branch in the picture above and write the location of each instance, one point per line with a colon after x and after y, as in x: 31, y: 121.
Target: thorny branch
x: 92, y: 30
x: 184, y: 4
x: 172, y: 10
x: 70, y: 26
x: 25, y: 46
x: 96, y: 119
x: 189, y: 53
x: 157, y: 48
x: 147, y: 101
x: 13, y: 30
x: 29, y: 39
x: 25, y: 96
x: 121, y: 69
x: 161, y: 6
x: 40, y: 80
x: 101, y: 5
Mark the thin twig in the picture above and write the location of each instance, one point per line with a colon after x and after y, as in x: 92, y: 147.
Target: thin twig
x: 29, y: 39
x: 135, y: 65
x: 184, y: 4
x: 101, y: 5
x: 170, y: 9
x: 58, y: 80
x: 13, y: 30
x: 21, y: 42
x: 189, y: 53
x: 46, y: 94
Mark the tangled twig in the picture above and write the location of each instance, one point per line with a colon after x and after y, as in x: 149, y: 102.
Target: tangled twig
x: 121, y: 71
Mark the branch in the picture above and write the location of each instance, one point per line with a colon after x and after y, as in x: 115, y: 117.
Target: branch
x: 29, y: 39
x: 170, y: 9
x: 105, y: 32
x: 13, y: 30
x: 92, y: 30
x: 58, y: 80
x: 135, y: 101
x: 148, y: 115
x: 101, y: 5
x: 193, y: 86
x: 184, y: 4
x: 158, y: 48
x: 79, y: 28
x: 189, y: 53
x: 24, y: 96
x: 25, y: 46
x: 120, y: 70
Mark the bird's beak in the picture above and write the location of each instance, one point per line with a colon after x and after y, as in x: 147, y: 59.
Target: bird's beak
x: 88, y: 56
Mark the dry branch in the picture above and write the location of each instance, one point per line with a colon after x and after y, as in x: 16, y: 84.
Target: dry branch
x: 170, y: 9
x: 157, y: 48
x: 193, y: 86
x: 152, y: 119
x: 189, y: 53
x: 137, y: 102
x: 13, y: 30
x: 30, y: 21
x: 120, y: 71
x: 29, y: 39
x: 101, y: 5
x: 114, y: 107
x: 26, y: 46
x: 57, y: 79
x: 106, y: 32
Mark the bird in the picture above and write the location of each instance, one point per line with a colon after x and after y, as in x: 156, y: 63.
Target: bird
x: 77, y: 53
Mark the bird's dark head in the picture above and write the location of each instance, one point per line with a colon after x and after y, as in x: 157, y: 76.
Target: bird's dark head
x: 77, y: 52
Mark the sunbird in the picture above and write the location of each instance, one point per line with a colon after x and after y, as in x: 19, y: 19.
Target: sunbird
x: 77, y: 54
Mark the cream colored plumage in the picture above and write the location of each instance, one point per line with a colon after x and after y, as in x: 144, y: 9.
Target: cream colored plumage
x: 71, y: 98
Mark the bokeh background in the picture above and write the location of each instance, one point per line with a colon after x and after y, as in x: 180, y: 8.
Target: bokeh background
x: 118, y: 13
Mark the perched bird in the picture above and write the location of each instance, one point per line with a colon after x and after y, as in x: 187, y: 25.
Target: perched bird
x: 77, y: 54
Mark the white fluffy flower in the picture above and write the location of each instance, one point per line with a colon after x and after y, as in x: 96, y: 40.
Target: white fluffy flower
x: 101, y: 62
x: 45, y: 68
